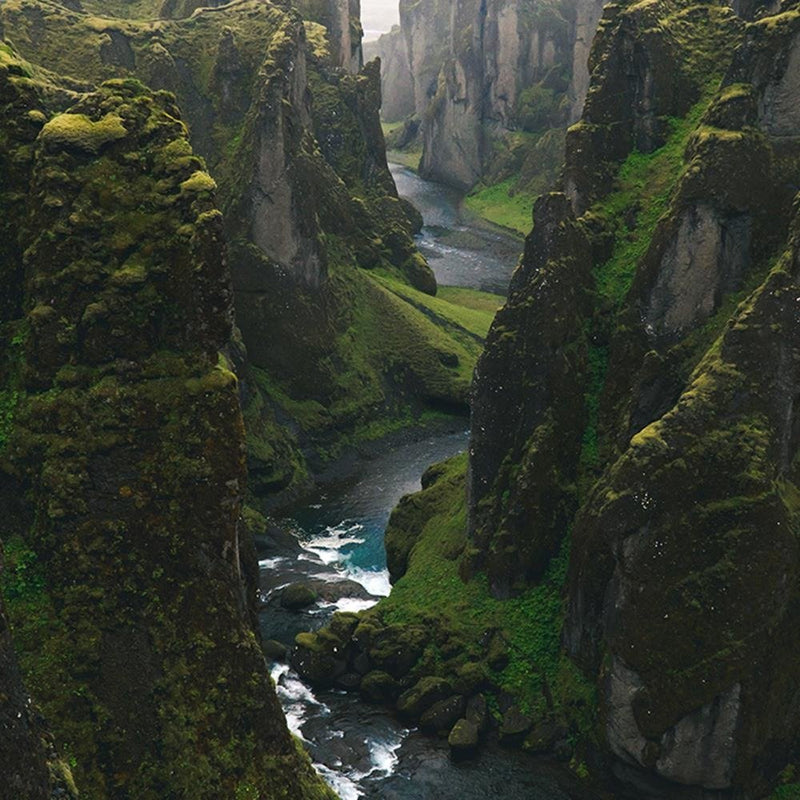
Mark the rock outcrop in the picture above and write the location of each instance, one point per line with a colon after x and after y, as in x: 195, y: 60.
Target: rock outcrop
x: 123, y: 456
x: 638, y: 391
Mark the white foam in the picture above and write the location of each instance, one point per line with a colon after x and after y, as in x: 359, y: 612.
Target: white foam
x: 384, y: 757
x: 353, y: 604
x: 376, y: 582
x: 341, y: 784
x: 327, y: 546
x: 271, y: 563
x: 296, y: 698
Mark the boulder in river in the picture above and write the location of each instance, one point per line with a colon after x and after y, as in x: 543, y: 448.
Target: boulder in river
x: 421, y: 696
x: 298, y: 595
x: 274, y: 650
x: 514, y: 726
x: 478, y: 712
x: 315, y: 661
x: 441, y: 716
x: 463, y: 739
x: 380, y: 687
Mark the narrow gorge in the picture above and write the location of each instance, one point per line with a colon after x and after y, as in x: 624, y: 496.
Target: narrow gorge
x: 318, y: 480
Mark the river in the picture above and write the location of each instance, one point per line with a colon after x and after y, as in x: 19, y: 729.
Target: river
x: 462, y: 250
x: 337, y: 546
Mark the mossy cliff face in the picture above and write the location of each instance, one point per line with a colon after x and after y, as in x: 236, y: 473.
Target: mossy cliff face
x: 342, y: 20
x: 123, y: 461
x: 528, y: 406
x: 673, y: 447
x: 310, y: 212
x: 31, y: 768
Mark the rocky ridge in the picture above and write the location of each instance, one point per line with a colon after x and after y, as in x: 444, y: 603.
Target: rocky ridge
x: 627, y: 554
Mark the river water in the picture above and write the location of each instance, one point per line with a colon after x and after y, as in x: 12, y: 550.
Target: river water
x: 337, y: 546
x: 461, y: 250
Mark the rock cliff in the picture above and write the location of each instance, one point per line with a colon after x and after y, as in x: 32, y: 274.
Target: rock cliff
x: 289, y: 130
x: 675, y: 447
x: 123, y: 458
x: 489, y: 77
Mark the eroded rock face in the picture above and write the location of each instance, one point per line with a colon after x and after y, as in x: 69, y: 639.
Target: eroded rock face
x: 477, y: 70
x: 527, y: 403
x: 706, y: 259
x: 678, y: 494
x: 122, y: 458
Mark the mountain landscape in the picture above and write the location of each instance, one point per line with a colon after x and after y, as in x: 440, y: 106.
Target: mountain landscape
x: 222, y: 310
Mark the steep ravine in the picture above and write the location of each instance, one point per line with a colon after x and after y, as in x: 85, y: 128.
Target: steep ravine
x: 615, y: 564
x: 361, y: 749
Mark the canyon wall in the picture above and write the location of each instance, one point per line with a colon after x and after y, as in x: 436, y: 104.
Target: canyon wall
x: 479, y: 73
x: 636, y: 398
x: 123, y: 453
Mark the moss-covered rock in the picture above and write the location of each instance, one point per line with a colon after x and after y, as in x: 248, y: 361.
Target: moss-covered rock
x: 123, y: 463
x: 297, y: 596
x: 463, y: 739
x: 414, y: 702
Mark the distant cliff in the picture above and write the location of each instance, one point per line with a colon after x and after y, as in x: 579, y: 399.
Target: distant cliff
x: 479, y: 73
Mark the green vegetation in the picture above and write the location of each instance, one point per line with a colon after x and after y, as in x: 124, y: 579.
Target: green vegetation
x: 390, y: 127
x: 523, y: 654
x: 502, y: 205
x: 407, y: 158
x: 454, y: 308
x: 401, y: 355
x: 589, y: 459
x: 642, y: 193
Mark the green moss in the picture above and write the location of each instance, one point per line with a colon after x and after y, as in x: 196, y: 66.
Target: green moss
x: 643, y: 189
x: 503, y: 206
x: 77, y: 131
x: 598, y: 364
x: 407, y: 158
x: 199, y: 182
x: 459, y: 613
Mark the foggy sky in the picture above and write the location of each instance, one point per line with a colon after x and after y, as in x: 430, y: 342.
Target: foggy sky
x: 378, y: 16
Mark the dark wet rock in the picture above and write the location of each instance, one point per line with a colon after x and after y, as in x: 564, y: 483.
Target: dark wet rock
x: 318, y: 660
x: 441, y: 716
x: 420, y: 697
x: 350, y: 681
x: 361, y: 663
x: 297, y: 596
x: 463, y: 739
x: 514, y: 726
x: 544, y: 736
x: 478, y: 712
x: 275, y: 651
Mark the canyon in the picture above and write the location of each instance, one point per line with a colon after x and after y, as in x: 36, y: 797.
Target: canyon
x: 218, y: 307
